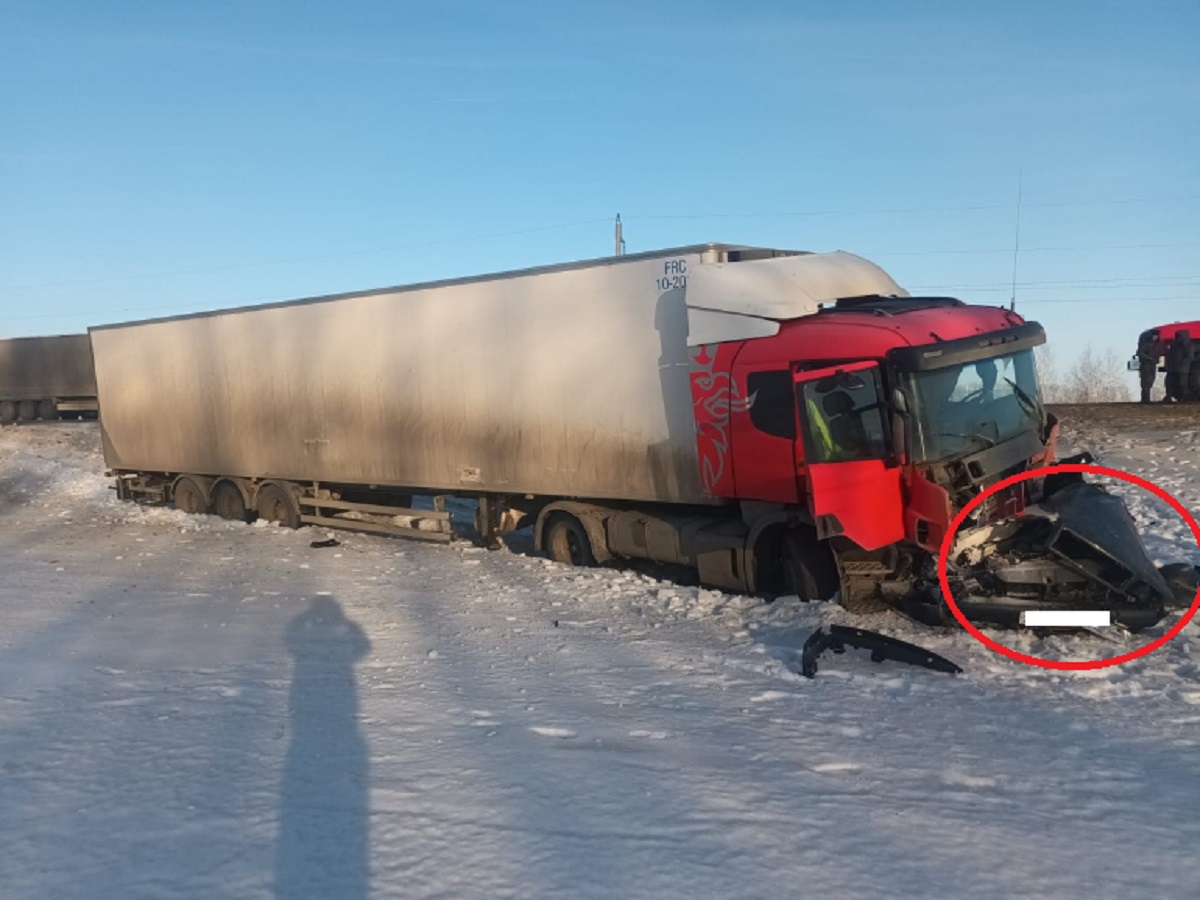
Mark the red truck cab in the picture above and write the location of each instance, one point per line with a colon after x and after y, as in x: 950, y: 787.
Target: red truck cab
x: 867, y: 424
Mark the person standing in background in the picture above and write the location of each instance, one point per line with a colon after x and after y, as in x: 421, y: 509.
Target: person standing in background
x: 1179, y: 366
x: 1147, y: 357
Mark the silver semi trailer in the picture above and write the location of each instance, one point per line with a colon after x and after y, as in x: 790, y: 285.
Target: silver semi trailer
x: 41, y: 377
x: 564, y: 393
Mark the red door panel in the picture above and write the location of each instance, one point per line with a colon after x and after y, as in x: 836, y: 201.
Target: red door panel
x: 852, y: 489
x: 860, y: 500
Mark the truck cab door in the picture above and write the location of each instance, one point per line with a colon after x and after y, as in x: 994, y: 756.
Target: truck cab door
x: 844, y: 450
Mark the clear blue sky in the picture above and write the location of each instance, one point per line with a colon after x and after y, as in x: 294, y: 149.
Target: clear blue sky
x: 163, y: 157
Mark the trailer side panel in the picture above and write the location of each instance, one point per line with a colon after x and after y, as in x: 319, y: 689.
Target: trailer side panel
x: 36, y: 368
x: 570, y: 383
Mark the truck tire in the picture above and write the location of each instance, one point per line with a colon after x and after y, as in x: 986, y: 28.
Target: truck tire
x: 277, y: 504
x: 228, y: 502
x: 27, y: 410
x: 566, y: 541
x: 8, y: 412
x: 807, y: 566
x: 189, y: 498
x: 48, y: 410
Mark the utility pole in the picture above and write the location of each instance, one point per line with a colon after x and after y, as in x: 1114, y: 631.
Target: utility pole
x: 1012, y: 303
x: 620, y: 240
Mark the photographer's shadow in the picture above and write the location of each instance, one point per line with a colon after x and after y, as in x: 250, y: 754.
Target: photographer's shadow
x: 323, y: 845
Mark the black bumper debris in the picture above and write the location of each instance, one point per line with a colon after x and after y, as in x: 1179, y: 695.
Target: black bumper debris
x: 882, y: 647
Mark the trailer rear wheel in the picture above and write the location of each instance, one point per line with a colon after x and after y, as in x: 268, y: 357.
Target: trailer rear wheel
x: 189, y: 498
x: 47, y: 410
x: 27, y: 410
x: 276, y: 504
x: 567, y: 541
x: 228, y: 502
x: 8, y: 412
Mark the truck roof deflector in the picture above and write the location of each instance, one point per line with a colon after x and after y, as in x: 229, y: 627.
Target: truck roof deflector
x: 739, y: 296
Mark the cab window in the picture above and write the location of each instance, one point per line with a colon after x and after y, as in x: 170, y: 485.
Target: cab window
x: 843, y: 418
x: 772, y: 410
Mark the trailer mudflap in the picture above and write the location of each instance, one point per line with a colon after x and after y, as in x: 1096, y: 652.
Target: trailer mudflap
x: 882, y: 647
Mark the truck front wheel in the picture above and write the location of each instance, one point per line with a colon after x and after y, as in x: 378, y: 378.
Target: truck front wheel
x: 567, y: 541
x: 807, y: 567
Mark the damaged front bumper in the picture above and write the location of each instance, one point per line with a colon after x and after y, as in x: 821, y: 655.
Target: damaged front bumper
x: 1078, y: 549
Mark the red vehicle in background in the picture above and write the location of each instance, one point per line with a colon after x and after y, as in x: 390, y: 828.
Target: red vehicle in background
x: 1153, y: 347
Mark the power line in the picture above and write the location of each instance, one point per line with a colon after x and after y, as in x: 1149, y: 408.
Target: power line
x: 1098, y: 283
x: 1044, y: 287
x: 1132, y: 300
x: 1012, y: 304
x: 1008, y: 250
x: 1114, y: 201
x: 310, y: 258
x: 533, y: 229
x: 975, y: 207
x: 255, y: 300
x: 129, y: 309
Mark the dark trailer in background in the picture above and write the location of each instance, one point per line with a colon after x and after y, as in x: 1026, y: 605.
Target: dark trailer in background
x: 43, y: 377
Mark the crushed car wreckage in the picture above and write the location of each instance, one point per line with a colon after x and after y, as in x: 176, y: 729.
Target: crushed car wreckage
x: 1077, y: 548
x: 893, y: 450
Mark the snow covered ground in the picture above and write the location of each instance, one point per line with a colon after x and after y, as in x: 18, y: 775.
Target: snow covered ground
x: 193, y: 708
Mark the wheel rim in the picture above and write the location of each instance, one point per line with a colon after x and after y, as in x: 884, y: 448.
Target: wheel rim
x: 275, y: 510
x: 574, y: 549
x: 229, y: 503
x: 187, y: 498
x: 567, y: 545
x: 275, y: 504
x: 558, y: 545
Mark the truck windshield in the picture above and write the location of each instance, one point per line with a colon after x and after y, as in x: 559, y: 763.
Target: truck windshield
x: 968, y: 408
